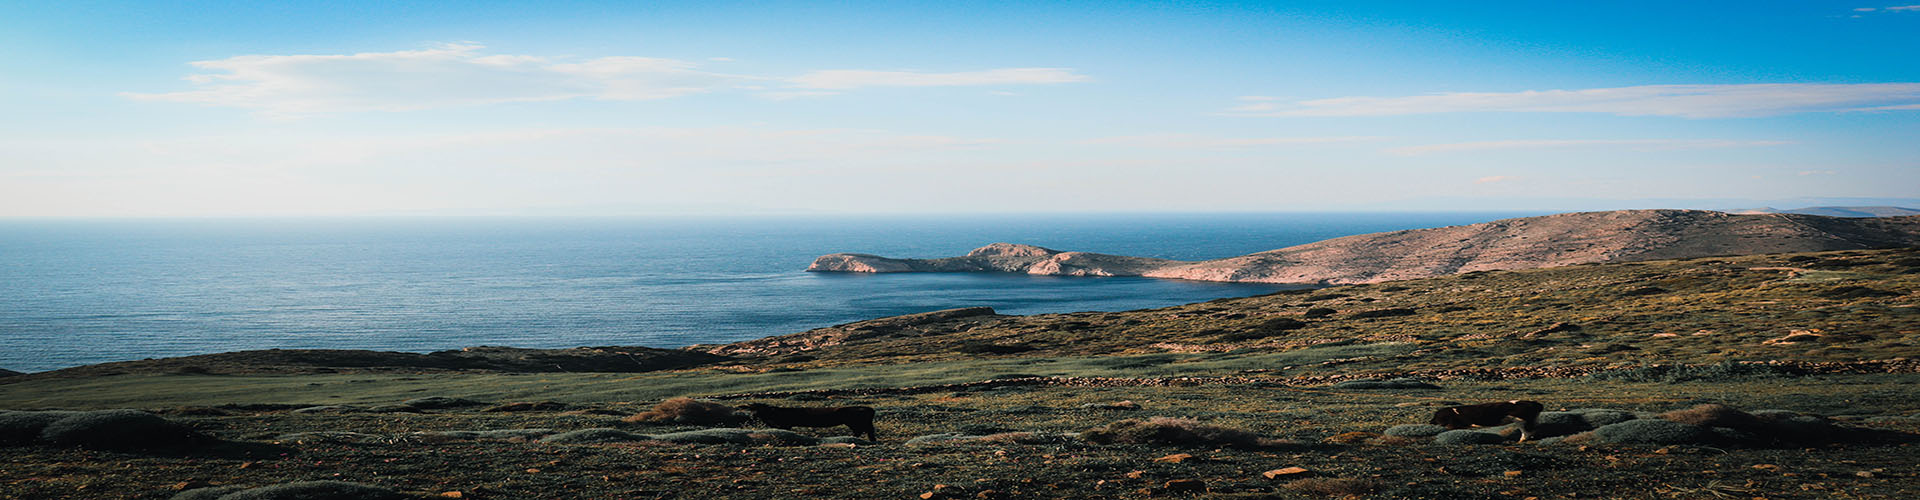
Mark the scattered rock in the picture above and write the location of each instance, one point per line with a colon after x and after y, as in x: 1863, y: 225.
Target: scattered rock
x: 1354, y: 437
x: 1468, y: 436
x: 1185, y: 486
x: 1122, y: 405
x: 1415, y: 430
x: 1284, y: 472
x: 1651, y: 431
x: 1174, y: 458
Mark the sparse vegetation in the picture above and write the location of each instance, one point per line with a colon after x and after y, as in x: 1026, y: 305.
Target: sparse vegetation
x: 1335, y: 486
x: 304, y: 490
x: 1651, y: 359
x: 687, y: 411
x: 1398, y: 383
x: 1170, y: 432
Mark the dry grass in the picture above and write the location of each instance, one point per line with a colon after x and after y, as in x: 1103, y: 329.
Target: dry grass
x: 686, y: 411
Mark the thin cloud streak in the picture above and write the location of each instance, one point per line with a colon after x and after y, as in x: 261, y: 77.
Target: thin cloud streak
x: 456, y: 75
x: 1191, y: 141
x: 841, y: 79
x: 1631, y: 144
x: 1686, y: 101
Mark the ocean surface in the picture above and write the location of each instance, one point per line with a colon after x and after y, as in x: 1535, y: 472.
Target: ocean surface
x: 76, y: 292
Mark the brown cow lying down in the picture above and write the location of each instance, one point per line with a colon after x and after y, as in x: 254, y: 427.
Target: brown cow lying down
x: 1490, y: 414
x: 857, y: 418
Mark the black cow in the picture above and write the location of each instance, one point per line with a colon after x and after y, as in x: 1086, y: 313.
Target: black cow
x: 1490, y: 414
x: 857, y: 418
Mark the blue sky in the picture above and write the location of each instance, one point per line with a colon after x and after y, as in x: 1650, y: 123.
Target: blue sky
x: 585, y: 108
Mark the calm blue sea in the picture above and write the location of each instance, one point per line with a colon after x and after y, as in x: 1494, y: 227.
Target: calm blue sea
x: 76, y: 292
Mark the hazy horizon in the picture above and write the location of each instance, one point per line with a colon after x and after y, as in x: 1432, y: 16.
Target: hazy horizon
x: 237, y: 109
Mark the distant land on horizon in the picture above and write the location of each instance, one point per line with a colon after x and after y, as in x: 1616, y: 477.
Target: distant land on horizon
x: 1882, y: 211
x: 1519, y: 243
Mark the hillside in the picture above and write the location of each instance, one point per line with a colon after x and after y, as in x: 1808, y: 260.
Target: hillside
x: 1521, y: 243
x: 1252, y: 397
x: 1843, y: 306
x: 1835, y: 211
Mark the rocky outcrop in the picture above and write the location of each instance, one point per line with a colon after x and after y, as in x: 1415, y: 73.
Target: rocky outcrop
x: 997, y: 257
x: 1881, y: 211
x: 911, y: 325
x: 1523, y: 243
x: 617, y: 359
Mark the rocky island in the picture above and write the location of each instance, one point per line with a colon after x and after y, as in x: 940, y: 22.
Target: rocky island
x: 1521, y: 243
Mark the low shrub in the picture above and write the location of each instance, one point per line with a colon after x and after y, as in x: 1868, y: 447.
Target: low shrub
x: 321, y: 437
x: 118, y: 430
x: 991, y: 348
x: 597, y: 435
x: 21, y: 428
x: 1857, y: 292
x: 1015, y: 437
x: 1468, y: 436
x: 1645, y: 290
x: 528, y: 406
x: 213, y: 493
x: 1562, y: 423
x: 1398, y: 383
x: 304, y: 490
x: 944, y: 437
x: 687, y: 411
x: 1598, y: 417
x: 736, y: 436
x: 1266, y: 329
x: 1714, y: 415
x: 1802, y: 429
x: 325, y: 409
x: 1415, y: 430
x: 1169, y: 431
x: 1318, y: 312
x: 498, y: 434
x: 1724, y: 371
x: 439, y: 402
x: 1651, y: 431
x: 1031, y: 437
x: 1382, y: 313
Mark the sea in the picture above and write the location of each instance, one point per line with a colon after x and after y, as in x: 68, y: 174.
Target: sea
x: 83, y: 291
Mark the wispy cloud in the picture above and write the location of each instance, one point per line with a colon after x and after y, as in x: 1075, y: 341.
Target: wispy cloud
x: 464, y: 75
x: 1191, y: 141
x: 1632, y: 144
x: 450, y: 75
x: 1689, y: 101
x: 855, y: 78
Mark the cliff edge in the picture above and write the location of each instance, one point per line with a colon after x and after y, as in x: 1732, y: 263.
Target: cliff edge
x: 1521, y: 243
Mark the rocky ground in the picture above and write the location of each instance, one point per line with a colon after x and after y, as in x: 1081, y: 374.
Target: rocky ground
x: 1287, y: 395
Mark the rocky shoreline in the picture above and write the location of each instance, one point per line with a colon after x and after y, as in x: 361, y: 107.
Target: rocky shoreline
x: 1509, y: 244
